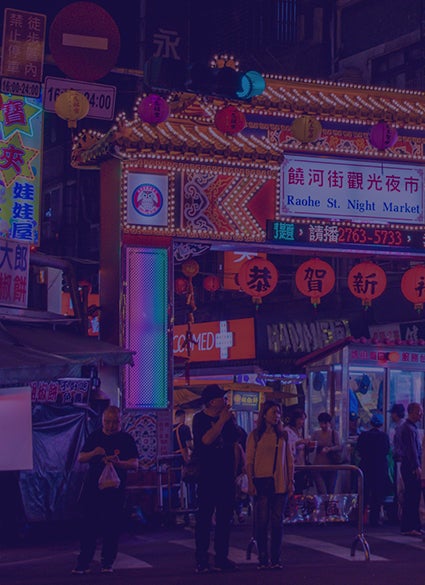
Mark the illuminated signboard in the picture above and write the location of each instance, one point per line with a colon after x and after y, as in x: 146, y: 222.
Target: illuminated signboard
x: 146, y: 327
x: 14, y: 269
x: 380, y: 192
x: 246, y: 400
x: 20, y: 167
x: 379, y: 355
x: 344, y: 236
x: 216, y: 340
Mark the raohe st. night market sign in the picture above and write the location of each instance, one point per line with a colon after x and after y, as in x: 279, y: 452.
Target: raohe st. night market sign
x: 333, y: 188
x: 20, y: 146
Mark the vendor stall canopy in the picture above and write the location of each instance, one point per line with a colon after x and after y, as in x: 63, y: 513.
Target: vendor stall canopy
x: 29, y: 353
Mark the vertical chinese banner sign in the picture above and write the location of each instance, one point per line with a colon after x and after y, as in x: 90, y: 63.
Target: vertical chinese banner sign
x: 14, y: 268
x: 20, y: 165
x: 23, y: 45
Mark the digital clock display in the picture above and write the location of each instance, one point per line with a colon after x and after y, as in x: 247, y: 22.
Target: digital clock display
x: 326, y: 234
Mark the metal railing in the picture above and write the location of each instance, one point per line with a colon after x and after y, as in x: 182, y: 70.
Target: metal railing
x: 360, y: 538
x: 172, y: 474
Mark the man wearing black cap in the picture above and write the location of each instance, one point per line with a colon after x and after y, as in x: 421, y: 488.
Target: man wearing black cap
x: 215, y: 434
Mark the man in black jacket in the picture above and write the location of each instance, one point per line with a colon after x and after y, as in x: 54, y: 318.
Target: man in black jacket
x: 215, y: 435
x: 373, y: 447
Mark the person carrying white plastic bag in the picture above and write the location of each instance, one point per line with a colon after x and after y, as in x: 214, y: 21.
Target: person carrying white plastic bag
x: 109, y: 453
x: 109, y: 478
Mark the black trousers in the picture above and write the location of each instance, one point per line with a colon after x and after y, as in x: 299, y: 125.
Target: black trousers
x: 412, y: 494
x: 268, y: 516
x: 102, y: 514
x: 374, y: 492
x: 218, y: 497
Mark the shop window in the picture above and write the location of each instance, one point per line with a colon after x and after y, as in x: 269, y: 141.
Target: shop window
x: 366, y: 396
x: 319, y: 397
x: 406, y: 387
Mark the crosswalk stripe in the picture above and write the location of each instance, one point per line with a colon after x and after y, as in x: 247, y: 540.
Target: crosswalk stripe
x: 335, y: 550
x: 124, y: 561
x: 238, y: 555
x: 412, y: 541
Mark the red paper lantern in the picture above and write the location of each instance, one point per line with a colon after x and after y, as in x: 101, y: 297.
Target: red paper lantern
x: 382, y: 135
x: 190, y: 268
x: 230, y: 120
x: 258, y: 278
x: 211, y: 283
x: 413, y: 286
x: 367, y: 281
x: 181, y: 286
x: 315, y: 279
x: 153, y: 109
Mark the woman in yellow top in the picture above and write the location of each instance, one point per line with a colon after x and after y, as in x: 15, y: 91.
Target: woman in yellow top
x: 270, y: 470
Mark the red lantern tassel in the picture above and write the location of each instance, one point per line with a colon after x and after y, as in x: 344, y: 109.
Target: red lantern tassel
x: 366, y: 304
x: 257, y: 302
x: 315, y: 301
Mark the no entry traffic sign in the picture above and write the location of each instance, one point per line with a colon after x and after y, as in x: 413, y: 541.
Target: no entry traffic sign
x: 84, y: 41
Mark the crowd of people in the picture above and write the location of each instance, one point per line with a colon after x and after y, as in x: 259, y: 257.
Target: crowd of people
x: 221, y: 451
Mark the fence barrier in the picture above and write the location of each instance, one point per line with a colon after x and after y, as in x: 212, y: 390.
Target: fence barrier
x: 360, y: 538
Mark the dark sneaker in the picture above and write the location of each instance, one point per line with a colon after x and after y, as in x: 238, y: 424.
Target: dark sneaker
x: 263, y: 567
x: 225, y: 566
x: 276, y: 566
x: 202, y: 568
x: 80, y: 570
x: 107, y: 569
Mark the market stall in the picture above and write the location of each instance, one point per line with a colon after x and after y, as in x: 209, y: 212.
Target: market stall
x: 354, y: 379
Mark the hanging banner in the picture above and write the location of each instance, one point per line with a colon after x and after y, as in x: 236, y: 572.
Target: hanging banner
x: 14, y: 270
x: 62, y: 391
x: 349, y: 189
x: 21, y: 123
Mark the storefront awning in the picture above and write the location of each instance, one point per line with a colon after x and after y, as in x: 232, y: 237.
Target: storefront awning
x: 36, y: 353
x: 322, y: 352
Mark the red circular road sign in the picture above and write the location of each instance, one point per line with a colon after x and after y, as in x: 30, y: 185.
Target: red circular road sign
x: 84, y: 41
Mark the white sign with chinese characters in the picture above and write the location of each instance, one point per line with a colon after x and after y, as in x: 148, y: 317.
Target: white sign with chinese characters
x: 359, y: 190
x: 14, y: 270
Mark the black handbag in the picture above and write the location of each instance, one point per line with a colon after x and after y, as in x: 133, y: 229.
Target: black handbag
x: 264, y: 486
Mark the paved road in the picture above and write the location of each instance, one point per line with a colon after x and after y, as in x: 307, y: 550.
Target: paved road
x: 313, y: 555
